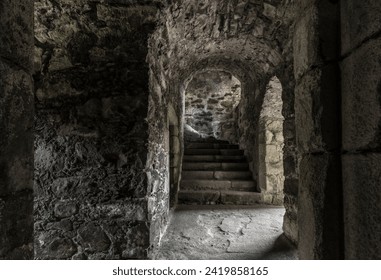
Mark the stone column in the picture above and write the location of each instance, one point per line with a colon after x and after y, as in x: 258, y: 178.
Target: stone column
x: 361, y: 114
x: 16, y: 130
x: 318, y: 129
x: 291, y: 178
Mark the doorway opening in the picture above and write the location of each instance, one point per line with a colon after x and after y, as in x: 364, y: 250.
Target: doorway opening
x: 271, y: 143
x: 211, y: 102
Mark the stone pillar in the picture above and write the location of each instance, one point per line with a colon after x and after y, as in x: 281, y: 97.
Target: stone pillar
x: 361, y: 118
x: 16, y: 130
x: 318, y: 129
x: 291, y: 182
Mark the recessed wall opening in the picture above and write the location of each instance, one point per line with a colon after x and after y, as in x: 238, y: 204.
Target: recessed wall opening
x: 271, y: 143
x: 211, y: 101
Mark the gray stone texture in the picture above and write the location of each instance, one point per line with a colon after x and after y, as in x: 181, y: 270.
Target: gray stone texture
x: 90, y: 147
x: 360, y: 21
x: 109, y: 79
x: 317, y: 122
x: 361, y: 100
x: 361, y: 115
x: 16, y: 129
x: 211, y: 100
x: 319, y: 217
x: 362, y: 201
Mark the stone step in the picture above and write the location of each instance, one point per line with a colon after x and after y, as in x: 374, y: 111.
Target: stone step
x: 223, y: 152
x: 204, y: 184
x: 209, y: 140
x: 218, y: 197
x: 217, y: 175
x: 196, y: 145
x: 213, y: 158
x: 240, y: 198
x: 228, y: 166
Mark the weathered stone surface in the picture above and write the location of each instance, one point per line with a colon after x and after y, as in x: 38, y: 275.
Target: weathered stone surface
x: 362, y: 200
x: 64, y: 209
x: 366, y: 12
x: 361, y: 98
x: 319, y: 218
x: 16, y: 129
x: 61, y: 248
x: 91, y: 134
x: 226, y: 233
x: 93, y: 238
x: 16, y: 225
x: 316, y: 104
x: 198, y: 197
x: 304, y: 42
x: 16, y: 144
x: 318, y: 25
x: 16, y: 32
x: 210, y: 100
x: 240, y: 198
x: 290, y: 227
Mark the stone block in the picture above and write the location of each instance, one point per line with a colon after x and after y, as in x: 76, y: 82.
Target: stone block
x: 16, y: 32
x: 305, y: 42
x: 291, y: 186
x: 273, y: 153
x: 197, y: 175
x: 232, y: 175
x: 361, y: 98
x: 319, y: 217
x: 240, y: 198
x: 362, y: 205
x: 198, y: 197
x: 93, y: 238
x: 317, y: 98
x: 316, y: 36
x: 16, y: 123
x: 290, y: 228
x: 16, y: 224
x: 205, y: 184
x: 244, y: 185
x: 64, y: 209
x: 360, y: 19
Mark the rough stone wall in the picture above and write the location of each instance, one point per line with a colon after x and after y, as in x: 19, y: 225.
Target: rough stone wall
x: 211, y: 100
x: 249, y: 39
x: 290, y: 156
x: 361, y: 126
x: 317, y: 107
x: 16, y: 130
x: 91, y: 135
x: 271, y: 142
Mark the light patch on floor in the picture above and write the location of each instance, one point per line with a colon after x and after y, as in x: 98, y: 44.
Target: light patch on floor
x: 226, y: 232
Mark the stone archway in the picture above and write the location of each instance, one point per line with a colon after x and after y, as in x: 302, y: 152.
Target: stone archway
x: 271, y: 143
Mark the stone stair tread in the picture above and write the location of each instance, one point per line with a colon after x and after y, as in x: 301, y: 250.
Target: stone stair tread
x: 215, y: 166
x: 240, y: 197
x: 216, y: 175
x: 219, y: 197
x: 204, y: 184
x: 208, y: 140
x: 222, y: 152
x: 201, y: 145
x: 213, y: 158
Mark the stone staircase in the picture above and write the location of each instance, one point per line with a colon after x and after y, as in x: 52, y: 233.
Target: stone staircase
x: 216, y: 172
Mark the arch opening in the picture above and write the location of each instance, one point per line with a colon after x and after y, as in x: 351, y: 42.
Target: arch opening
x: 271, y: 143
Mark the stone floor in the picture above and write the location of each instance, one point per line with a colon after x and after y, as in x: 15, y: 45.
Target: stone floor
x: 226, y: 232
